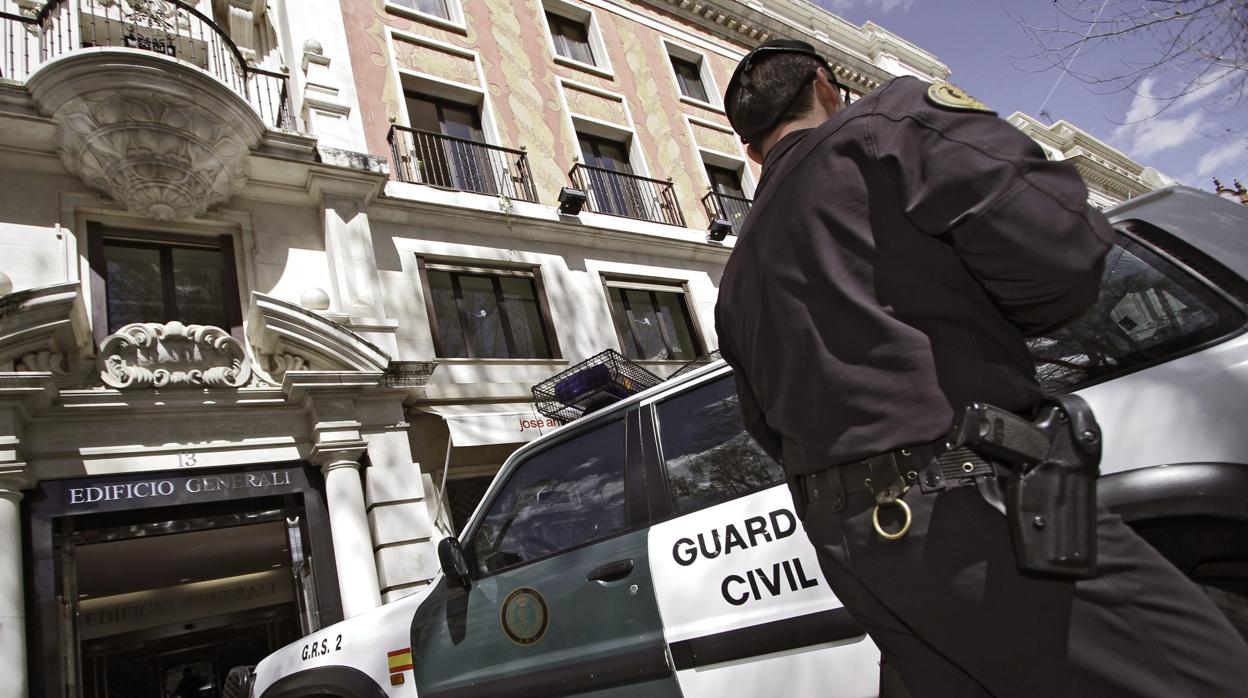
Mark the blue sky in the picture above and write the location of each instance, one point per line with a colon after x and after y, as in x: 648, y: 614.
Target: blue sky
x: 983, y: 44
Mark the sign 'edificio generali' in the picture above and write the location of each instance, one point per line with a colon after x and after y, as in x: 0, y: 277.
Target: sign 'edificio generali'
x: 176, y: 489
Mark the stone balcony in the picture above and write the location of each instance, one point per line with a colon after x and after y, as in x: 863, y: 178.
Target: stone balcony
x: 154, y: 104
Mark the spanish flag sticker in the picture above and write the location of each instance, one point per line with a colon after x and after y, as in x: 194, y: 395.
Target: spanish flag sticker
x: 400, y: 660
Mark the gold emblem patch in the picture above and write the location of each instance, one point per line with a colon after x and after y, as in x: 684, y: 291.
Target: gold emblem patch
x: 525, y: 616
x: 943, y: 94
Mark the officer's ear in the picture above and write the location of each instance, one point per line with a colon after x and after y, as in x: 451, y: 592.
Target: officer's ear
x: 753, y: 153
x: 826, y: 92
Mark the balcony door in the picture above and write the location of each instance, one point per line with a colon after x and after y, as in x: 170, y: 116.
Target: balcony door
x: 616, y: 194
x: 457, y: 160
x: 731, y: 204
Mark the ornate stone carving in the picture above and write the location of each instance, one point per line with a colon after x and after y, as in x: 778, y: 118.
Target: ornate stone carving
x: 162, y: 156
x: 163, y: 136
x: 44, y: 361
x: 173, y: 355
x: 286, y: 362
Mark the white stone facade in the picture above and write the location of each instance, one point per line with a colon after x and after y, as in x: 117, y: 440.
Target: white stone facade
x: 1111, y: 176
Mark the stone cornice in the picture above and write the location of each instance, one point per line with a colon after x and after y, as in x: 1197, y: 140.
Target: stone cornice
x: 1117, y: 183
x: 851, y: 49
x: 540, y: 222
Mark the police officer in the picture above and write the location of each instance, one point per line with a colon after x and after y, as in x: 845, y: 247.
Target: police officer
x: 898, y: 251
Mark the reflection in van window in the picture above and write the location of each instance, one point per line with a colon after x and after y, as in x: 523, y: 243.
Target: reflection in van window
x: 709, y: 455
x: 1148, y: 310
x: 565, y: 496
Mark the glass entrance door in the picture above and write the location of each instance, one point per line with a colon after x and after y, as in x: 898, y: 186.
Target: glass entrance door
x: 164, y: 609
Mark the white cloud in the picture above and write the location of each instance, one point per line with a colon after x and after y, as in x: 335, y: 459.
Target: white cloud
x: 1146, y: 132
x: 881, y: 6
x: 1208, y: 86
x: 1157, y: 134
x: 1143, y: 104
x: 1216, y: 162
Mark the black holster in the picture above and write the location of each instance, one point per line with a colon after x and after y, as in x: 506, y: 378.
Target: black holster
x: 1051, y: 466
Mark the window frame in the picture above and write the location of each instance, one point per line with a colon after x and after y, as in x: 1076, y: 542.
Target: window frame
x: 454, y: 10
x: 714, y: 100
x: 657, y: 286
x: 636, y: 490
x: 534, y: 273
x: 593, y: 37
x: 1167, y: 247
x: 97, y: 233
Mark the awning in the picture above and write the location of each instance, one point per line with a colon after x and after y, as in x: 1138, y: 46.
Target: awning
x: 487, y: 424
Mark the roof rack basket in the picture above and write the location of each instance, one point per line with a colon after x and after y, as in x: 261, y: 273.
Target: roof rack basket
x: 709, y: 357
x: 600, y: 380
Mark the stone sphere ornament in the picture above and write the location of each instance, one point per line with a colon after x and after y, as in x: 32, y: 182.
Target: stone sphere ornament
x: 314, y: 299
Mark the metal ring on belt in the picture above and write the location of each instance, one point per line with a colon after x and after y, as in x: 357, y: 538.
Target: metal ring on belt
x: 905, y: 527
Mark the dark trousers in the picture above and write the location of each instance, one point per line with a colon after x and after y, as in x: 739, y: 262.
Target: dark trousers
x: 953, y: 616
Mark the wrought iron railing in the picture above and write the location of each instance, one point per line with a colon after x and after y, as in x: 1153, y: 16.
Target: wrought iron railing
x: 728, y: 207
x: 425, y: 157
x: 628, y: 195
x: 169, y: 27
x: 19, y: 42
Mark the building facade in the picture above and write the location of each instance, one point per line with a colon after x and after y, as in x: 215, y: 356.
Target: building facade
x: 276, y: 279
x: 1111, y: 176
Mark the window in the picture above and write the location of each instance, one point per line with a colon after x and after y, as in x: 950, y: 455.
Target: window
x: 725, y: 181
x: 1148, y: 310
x: 611, y: 193
x: 463, y: 495
x: 488, y: 314
x: 560, y: 498
x: 146, y: 279
x: 689, y: 78
x: 459, y: 161
x: 571, y: 37
x: 437, y: 8
x: 652, y: 322
x: 727, y: 198
x: 709, y: 455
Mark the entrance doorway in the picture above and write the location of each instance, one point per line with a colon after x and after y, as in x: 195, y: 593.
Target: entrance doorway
x: 162, y: 603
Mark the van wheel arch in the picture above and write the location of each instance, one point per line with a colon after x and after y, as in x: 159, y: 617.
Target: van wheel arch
x: 1196, y: 516
x: 340, y: 681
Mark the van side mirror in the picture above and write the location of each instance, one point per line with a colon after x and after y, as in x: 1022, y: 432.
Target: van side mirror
x: 451, y: 557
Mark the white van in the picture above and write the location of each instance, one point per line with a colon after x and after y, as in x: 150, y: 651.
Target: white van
x: 650, y: 549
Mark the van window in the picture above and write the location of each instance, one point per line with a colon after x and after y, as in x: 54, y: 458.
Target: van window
x: 709, y: 456
x: 1148, y: 310
x: 560, y: 498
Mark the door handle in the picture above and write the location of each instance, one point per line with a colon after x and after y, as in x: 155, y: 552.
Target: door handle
x: 611, y: 571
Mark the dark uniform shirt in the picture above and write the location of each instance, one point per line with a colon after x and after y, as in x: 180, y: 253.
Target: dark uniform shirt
x: 894, y: 260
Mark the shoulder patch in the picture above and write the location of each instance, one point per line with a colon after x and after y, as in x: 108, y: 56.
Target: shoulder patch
x: 948, y: 96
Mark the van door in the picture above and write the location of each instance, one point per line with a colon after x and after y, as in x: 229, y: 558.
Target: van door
x: 561, y: 599
x: 746, y: 609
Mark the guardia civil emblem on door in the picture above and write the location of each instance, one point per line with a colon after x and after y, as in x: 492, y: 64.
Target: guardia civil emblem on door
x: 524, y: 616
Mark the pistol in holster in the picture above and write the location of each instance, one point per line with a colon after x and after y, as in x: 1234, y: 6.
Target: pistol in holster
x: 1051, y: 466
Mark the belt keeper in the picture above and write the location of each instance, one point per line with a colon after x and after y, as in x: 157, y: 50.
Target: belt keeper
x: 931, y: 480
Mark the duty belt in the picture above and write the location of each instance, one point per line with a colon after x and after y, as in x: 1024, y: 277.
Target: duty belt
x: 889, y: 475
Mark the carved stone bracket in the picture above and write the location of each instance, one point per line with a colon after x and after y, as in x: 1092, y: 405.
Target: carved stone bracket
x: 45, y: 330
x: 286, y: 362
x: 173, y: 355
x: 163, y: 138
